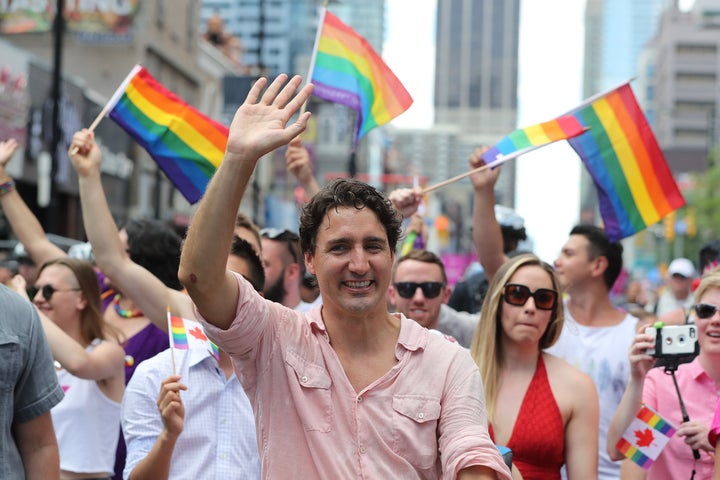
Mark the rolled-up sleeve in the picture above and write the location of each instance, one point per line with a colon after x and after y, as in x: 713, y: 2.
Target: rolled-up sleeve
x: 464, y: 440
x: 248, y: 327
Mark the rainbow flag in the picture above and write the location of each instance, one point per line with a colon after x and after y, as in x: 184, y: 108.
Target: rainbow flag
x: 187, y: 145
x: 634, y: 183
x: 346, y: 70
x: 178, y: 334
x: 185, y: 334
x: 529, y: 138
x: 646, y: 437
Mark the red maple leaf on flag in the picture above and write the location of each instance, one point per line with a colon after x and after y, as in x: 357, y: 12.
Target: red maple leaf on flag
x: 198, y: 333
x: 644, y: 437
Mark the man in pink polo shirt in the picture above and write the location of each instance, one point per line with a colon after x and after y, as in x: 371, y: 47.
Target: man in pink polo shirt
x: 349, y: 390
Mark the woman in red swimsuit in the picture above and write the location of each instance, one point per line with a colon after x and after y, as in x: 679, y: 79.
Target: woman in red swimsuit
x: 538, y: 405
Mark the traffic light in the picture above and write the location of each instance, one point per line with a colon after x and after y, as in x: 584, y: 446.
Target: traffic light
x: 669, y: 224
x: 690, y: 222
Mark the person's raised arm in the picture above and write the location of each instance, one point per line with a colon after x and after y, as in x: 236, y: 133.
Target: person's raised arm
x: 148, y: 292
x: 487, y: 234
x: 260, y: 125
x: 297, y: 162
x: 156, y: 465
x: 406, y: 200
x: 640, y: 364
x: 23, y: 222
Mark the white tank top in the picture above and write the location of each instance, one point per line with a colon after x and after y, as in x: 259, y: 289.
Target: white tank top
x: 86, y: 425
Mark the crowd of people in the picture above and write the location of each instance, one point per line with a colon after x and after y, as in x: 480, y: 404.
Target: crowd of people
x: 338, y: 349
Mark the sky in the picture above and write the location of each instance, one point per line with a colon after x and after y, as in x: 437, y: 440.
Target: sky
x: 550, y: 84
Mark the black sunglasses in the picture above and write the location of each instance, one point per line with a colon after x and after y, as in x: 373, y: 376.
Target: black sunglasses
x: 545, y: 299
x: 48, y: 291
x: 429, y: 289
x: 705, y: 310
x: 284, y: 235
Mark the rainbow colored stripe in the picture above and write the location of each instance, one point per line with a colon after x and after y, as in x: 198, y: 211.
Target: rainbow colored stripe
x: 538, y: 135
x: 178, y: 334
x: 187, y: 145
x: 215, y: 351
x: 656, y: 421
x: 348, y: 71
x: 634, y: 183
x: 633, y: 453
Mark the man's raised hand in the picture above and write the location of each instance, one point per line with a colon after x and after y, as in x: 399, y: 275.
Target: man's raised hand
x: 260, y: 124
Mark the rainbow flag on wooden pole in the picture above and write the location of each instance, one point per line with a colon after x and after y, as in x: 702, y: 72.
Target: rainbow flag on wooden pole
x: 634, y: 183
x: 186, y: 144
x: 526, y: 139
x: 346, y: 70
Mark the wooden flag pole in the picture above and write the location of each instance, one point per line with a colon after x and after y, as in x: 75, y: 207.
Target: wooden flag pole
x: 93, y: 126
x: 454, y: 179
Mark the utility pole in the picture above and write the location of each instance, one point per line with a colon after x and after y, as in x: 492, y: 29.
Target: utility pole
x: 50, y: 217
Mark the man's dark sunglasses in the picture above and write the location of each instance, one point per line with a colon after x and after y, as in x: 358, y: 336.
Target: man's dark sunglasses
x: 429, y: 289
x: 282, y: 235
x: 545, y: 299
x: 47, y: 291
x: 705, y: 310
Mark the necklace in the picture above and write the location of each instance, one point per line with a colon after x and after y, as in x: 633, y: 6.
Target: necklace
x: 122, y: 312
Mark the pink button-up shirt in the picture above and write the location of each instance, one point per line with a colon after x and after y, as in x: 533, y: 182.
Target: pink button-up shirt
x: 715, y: 427
x: 700, y: 395
x: 425, y: 418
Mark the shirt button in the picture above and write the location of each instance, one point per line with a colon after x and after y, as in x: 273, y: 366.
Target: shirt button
x: 421, y: 415
x: 362, y: 450
x: 359, y: 399
x: 303, y: 379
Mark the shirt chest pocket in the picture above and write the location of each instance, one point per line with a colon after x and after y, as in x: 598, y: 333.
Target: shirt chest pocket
x: 415, y: 422
x: 10, y: 357
x: 309, y: 385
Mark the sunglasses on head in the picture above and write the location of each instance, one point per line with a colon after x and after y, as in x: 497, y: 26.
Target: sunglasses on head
x: 705, y: 310
x: 429, y: 289
x: 545, y: 299
x: 48, y: 291
x: 282, y: 235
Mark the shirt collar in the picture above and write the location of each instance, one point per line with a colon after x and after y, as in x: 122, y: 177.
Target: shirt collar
x: 695, y: 369
x: 412, y: 336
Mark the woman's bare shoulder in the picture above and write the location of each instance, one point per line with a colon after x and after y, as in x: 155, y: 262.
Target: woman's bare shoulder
x: 562, y: 373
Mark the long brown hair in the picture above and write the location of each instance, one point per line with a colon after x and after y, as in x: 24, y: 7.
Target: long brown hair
x: 486, y: 348
x: 92, y: 324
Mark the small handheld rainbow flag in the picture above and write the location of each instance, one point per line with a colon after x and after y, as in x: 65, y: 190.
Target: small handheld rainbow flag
x: 187, y: 145
x: 646, y: 437
x: 187, y: 334
x: 346, y: 70
x: 529, y: 138
x: 634, y: 183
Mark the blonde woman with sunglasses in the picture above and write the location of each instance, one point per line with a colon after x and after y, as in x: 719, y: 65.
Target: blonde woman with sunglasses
x: 689, y: 452
x: 538, y: 405
x: 89, y: 362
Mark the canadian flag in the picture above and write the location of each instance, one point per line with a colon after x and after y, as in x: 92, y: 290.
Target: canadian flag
x: 646, y: 437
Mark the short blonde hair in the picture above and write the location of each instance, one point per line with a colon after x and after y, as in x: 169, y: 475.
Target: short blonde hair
x: 486, y: 348
x: 710, y: 280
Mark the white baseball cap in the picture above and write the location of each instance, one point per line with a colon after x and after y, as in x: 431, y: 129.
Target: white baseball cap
x: 681, y: 266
